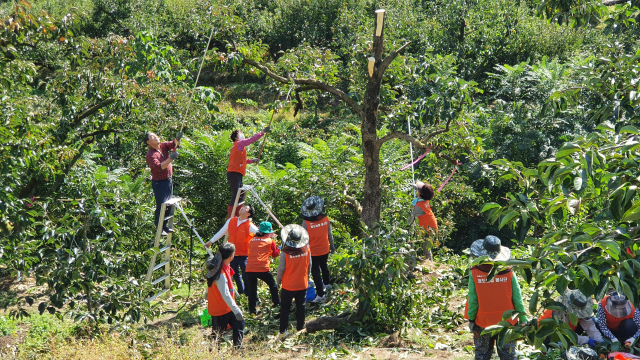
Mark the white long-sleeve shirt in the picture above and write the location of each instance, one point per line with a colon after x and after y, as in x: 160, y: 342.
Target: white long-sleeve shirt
x: 225, y: 229
x: 589, y: 327
x: 223, y: 287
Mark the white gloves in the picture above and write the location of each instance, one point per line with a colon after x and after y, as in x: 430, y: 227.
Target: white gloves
x: 614, y: 340
x: 630, y: 341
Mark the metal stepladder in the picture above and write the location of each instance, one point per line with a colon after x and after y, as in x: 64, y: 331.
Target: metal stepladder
x: 166, y: 248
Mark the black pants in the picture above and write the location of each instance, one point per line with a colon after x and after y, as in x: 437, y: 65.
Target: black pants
x: 238, y: 264
x: 235, y: 183
x: 252, y: 278
x: 318, y: 264
x: 285, y: 307
x: 220, y: 325
x: 162, y: 191
x: 626, y: 330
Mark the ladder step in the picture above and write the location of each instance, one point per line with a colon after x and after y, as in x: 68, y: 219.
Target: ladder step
x: 160, y: 265
x: 172, y: 201
x: 168, y: 217
x: 165, y: 248
x: 159, y: 279
x: 156, y: 295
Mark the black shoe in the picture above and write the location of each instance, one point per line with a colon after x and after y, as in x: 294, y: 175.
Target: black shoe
x: 167, y: 230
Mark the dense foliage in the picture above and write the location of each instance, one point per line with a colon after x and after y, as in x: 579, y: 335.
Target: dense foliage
x: 538, y: 101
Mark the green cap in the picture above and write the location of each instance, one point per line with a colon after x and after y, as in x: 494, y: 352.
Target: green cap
x: 265, y: 227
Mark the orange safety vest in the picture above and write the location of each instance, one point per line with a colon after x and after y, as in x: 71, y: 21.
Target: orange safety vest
x: 319, y: 236
x: 428, y: 220
x: 548, y: 314
x: 259, y: 254
x: 217, y: 306
x: 613, y: 323
x: 240, y: 236
x: 237, y: 160
x: 296, y: 271
x: 494, y: 297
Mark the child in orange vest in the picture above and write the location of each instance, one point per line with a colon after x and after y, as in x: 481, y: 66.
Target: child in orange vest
x: 261, y: 248
x: 238, y: 161
x: 241, y: 231
x: 293, y: 274
x: 488, y: 300
x: 221, y: 295
x: 618, y: 319
x: 320, y: 241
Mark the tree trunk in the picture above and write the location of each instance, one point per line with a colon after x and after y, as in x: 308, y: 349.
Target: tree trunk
x: 372, y: 193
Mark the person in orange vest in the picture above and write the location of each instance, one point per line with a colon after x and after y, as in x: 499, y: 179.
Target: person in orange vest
x: 241, y: 231
x: 488, y: 300
x: 320, y: 241
x: 618, y: 319
x: 221, y: 296
x: 582, y: 306
x: 293, y: 274
x: 422, y: 208
x: 261, y: 248
x: 238, y: 163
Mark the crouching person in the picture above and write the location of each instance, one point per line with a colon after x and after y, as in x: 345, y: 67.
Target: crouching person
x: 582, y: 307
x: 293, y: 274
x: 222, y: 306
x: 488, y: 300
x: 618, y: 319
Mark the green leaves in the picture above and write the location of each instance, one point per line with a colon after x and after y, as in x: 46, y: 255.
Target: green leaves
x: 567, y: 149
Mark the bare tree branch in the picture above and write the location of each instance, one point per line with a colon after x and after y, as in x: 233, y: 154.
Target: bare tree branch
x: 400, y: 135
x: 103, y: 132
x: 441, y: 131
x: 310, y: 84
x: 613, y: 2
x: 387, y: 61
x: 92, y: 110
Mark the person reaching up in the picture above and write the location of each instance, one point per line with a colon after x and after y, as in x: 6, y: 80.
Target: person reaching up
x: 241, y: 230
x: 238, y: 163
x: 320, y: 241
x: 422, y: 211
x: 221, y: 296
x: 159, y: 158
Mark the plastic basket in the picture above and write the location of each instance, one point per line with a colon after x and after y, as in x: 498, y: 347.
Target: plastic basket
x: 205, y: 318
x: 311, y: 291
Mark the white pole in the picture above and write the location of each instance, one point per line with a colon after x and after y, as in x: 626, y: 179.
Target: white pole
x: 194, y: 229
x: 411, y: 152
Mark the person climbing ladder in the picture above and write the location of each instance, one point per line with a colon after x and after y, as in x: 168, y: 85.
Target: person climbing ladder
x: 238, y: 164
x: 321, y: 242
x: 159, y: 158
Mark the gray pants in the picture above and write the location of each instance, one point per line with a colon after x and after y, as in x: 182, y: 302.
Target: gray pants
x: 484, y: 346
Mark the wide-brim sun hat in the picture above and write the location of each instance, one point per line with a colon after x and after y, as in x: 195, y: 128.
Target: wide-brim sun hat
x: 581, y: 353
x: 491, y: 247
x: 294, y: 236
x: 213, y: 264
x: 577, y: 303
x: 312, y: 206
x: 265, y: 227
x: 618, y: 305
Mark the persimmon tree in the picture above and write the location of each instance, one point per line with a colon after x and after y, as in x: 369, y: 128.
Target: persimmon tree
x: 382, y: 94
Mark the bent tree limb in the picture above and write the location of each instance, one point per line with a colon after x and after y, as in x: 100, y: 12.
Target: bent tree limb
x: 309, y: 85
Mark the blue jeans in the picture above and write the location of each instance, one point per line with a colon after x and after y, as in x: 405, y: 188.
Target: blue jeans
x: 163, y: 191
x: 240, y: 263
